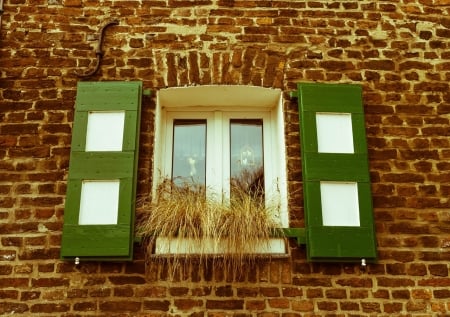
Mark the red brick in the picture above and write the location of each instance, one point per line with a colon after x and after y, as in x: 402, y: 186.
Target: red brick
x: 380, y: 65
x: 120, y: 306
x: 13, y: 308
x: 349, y: 306
x: 187, y: 304
x: 327, y: 306
x: 336, y: 293
x: 370, y: 308
x: 225, y: 304
x: 49, y: 308
x: 303, y: 305
x: 49, y: 282
x: 438, y: 269
x: 160, y: 305
x: 395, y: 282
x: 270, y: 291
x: 85, y: 306
x: 313, y: 281
x: 9, y: 294
x: 123, y: 280
x: 355, y: 282
x: 255, y: 305
x: 393, y: 307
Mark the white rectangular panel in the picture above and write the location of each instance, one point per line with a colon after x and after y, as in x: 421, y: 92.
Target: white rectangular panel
x: 99, y: 202
x: 340, y: 204
x: 334, y: 133
x: 275, y: 246
x: 105, y: 131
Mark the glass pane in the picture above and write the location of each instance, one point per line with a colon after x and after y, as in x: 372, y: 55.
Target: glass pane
x: 189, y: 152
x: 247, y: 161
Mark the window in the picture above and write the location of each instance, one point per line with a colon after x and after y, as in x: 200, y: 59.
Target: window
x: 223, y: 138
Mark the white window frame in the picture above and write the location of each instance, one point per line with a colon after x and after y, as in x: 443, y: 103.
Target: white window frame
x: 218, y: 104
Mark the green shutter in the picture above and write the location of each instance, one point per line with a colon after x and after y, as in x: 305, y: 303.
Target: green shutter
x: 340, y: 242
x: 103, y: 241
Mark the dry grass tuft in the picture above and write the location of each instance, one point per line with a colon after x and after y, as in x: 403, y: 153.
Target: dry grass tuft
x: 238, y: 229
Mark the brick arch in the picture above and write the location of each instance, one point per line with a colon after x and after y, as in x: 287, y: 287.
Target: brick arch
x: 239, y: 66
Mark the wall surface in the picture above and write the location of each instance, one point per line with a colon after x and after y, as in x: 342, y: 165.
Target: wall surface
x: 399, y: 51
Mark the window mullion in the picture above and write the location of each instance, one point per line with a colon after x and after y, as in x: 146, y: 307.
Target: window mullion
x: 214, y: 161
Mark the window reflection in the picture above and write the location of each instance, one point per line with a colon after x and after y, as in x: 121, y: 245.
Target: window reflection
x: 247, y: 161
x: 189, y: 152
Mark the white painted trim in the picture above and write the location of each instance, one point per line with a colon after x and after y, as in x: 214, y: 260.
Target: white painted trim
x: 219, y: 96
x: 274, y: 246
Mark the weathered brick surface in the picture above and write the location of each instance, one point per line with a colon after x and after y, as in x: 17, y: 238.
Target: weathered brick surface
x: 399, y: 51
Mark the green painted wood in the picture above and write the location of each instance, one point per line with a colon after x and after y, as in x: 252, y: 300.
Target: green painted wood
x: 132, y: 131
x: 79, y: 131
x: 337, y: 243
x: 319, y: 97
x: 97, y: 241
x: 335, y: 167
x: 103, y: 242
x: 340, y: 243
x: 102, y: 164
x: 108, y: 96
x: 298, y: 233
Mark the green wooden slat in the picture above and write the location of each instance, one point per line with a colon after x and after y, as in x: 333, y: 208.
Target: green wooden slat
x: 108, y: 96
x: 101, y: 165
x: 335, y: 243
x: 337, y: 167
x: 72, y: 204
x: 103, y: 242
x: 131, y: 134
x: 96, y: 241
x: 79, y: 131
x: 330, y: 97
x: 345, y: 243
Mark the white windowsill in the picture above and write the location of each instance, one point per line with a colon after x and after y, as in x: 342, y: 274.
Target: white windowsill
x: 168, y: 246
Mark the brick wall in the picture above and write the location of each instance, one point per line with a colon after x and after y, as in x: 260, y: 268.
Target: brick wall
x: 398, y: 50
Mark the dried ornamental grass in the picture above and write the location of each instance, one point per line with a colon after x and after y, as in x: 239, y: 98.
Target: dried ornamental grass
x: 230, y: 234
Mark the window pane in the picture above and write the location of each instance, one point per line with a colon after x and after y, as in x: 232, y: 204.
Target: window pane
x: 189, y: 152
x: 247, y: 162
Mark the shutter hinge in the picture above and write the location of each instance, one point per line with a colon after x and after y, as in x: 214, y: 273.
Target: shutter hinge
x: 293, y: 94
x: 298, y: 233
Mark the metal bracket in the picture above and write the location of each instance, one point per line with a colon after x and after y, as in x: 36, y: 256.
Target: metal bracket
x: 98, y: 50
x: 293, y: 95
x: 298, y: 233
